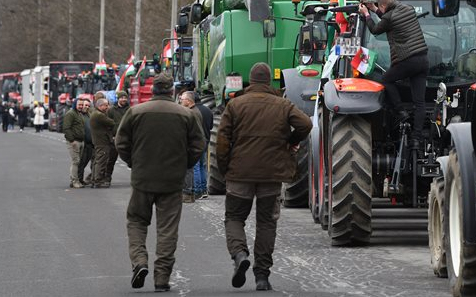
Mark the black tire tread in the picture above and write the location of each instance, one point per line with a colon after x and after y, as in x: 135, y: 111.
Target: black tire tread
x: 437, y: 250
x: 351, y: 181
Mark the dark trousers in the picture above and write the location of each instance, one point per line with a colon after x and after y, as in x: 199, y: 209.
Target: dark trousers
x: 101, y: 157
x: 238, y: 204
x: 111, y: 162
x: 168, y: 207
x: 416, y: 69
x: 88, y: 155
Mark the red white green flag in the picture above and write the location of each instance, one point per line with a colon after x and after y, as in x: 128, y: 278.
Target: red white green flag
x: 142, y: 66
x: 364, y: 60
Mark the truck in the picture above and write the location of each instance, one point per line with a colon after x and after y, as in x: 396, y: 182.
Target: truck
x: 228, y: 39
x: 141, y: 83
x: 66, y: 78
x: 10, y: 85
x: 357, y: 156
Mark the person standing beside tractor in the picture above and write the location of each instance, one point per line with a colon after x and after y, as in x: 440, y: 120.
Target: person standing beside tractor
x: 409, y: 59
x: 101, y: 132
x: 116, y: 113
x: 189, y: 193
x: 256, y: 149
x: 73, y: 128
x: 158, y: 140
x: 200, y: 171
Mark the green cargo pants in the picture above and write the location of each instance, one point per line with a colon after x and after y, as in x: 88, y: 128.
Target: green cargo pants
x: 238, y: 204
x: 101, y: 157
x: 168, y: 208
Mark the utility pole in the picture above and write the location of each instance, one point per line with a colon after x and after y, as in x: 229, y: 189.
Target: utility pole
x: 70, y: 32
x: 173, y: 22
x: 137, y: 35
x: 38, y: 41
x: 101, y: 31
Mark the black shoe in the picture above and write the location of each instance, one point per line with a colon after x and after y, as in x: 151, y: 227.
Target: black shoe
x: 138, y: 278
x: 262, y: 284
x: 100, y: 185
x: 162, y: 288
x: 401, y: 117
x: 241, y: 265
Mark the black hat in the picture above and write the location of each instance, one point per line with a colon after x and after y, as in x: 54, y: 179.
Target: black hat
x: 260, y: 74
x: 163, y: 81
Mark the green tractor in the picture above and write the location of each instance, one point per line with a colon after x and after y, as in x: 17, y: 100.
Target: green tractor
x: 229, y: 37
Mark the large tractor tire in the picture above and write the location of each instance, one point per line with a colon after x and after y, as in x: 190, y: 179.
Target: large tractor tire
x: 296, y: 193
x: 461, y: 255
x: 436, y: 232
x: 216, y: 181
x: 350, y: 157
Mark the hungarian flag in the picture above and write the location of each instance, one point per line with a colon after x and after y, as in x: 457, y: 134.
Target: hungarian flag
x: 142, y: 66
x: 364, y: 60
x: 129, y: 71
x: 131, y: 58
x: 167, y: 51
x: 102, y: 66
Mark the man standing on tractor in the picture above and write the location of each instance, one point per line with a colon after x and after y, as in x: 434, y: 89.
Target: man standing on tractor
x: 255, y: 153
x: 408, y: 52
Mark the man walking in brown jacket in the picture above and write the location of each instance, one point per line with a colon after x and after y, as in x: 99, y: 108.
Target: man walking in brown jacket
x: 158, y: 140
x: 255, y: 148
x: 101, y: 132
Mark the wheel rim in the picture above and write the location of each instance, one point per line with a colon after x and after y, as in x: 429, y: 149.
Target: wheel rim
x: 321, y: 173
x: 455, y: 228
x: 437, y: 229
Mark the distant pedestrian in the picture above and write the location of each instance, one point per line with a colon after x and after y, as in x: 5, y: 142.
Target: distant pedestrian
x: 257, y: 136
x: 200, y: 170
x: 5, y: 115
x: 39, y: 119
x: 116, y: 113
x: 189, y: 193
x: 158, y: 140
x: 22, y: 116
x: 73, y: 128
x: 88, y: 151
x: 101, y: 132
x: 12, y: 113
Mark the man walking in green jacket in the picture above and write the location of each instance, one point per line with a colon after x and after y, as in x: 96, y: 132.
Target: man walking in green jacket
x: 73, y: 128
x: 101, y: 132
x: 158, y: 140
x: 255, y: 153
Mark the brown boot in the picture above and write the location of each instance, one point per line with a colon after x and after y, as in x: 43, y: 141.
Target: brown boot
x: 188, y: 198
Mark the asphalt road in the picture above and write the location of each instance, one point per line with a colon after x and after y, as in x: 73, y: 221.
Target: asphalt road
x: 56, y: 241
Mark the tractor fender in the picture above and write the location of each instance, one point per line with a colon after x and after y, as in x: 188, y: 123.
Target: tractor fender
x: 301, y: 90
x: 314, y: 142
x: 353, y: 96
x: 443, y: 161
x: 461, y: 135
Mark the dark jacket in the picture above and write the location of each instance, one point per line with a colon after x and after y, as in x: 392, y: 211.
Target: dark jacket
x: 255, y: 134
x: 404, y: 33
x: 73, y: 126
x: 207, y: 119
x: 101, y: 128
x: 159, y: 140
x: 116, y: 113
x: 87, y: 128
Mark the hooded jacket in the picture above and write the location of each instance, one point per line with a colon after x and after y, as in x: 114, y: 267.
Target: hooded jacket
x: 255, y: 134
x: 404, y: 33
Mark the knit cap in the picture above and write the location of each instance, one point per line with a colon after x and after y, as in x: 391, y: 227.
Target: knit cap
x: 260, y: 74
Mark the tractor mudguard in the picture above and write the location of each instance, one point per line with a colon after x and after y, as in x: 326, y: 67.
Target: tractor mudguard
x: 461, y: 135
x: 353, y: 96
x: 443, y: 161
x: 301, y: 90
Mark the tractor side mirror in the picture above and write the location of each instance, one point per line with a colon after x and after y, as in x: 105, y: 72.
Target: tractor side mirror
x: 182, y: 26
x: 269, y: 28
x: 196, y: 13
x: 445, y: 8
